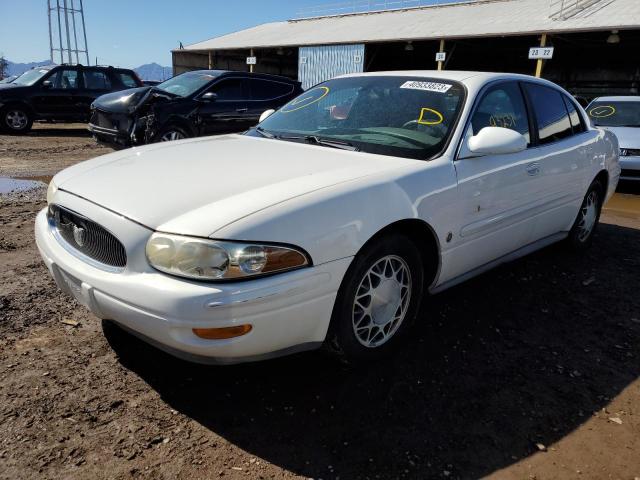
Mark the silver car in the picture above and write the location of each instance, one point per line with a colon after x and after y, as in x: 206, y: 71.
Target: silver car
x: 621, y: 115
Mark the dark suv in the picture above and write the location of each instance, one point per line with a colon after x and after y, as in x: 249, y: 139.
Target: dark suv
x: 58, y: 93
x: 202, y: 102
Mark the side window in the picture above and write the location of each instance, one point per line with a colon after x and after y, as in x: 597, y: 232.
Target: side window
x: 127, y: 80
x: 229, y: 89
x: 502, y: 106
x: 267, y: 90
x: 96, y: 80
x: 65, y: 79
x: 551, y: 114
x: 574, y: 117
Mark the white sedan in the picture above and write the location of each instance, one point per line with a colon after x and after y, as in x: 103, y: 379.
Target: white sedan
x: 330, y: 222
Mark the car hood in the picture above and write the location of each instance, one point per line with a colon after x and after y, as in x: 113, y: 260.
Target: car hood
x: 198, y: 186
x: 123, y: 100
x: 628, y: 137
x: 11, y: 86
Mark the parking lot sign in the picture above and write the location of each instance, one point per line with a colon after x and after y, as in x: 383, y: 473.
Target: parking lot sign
x: 540, y: 53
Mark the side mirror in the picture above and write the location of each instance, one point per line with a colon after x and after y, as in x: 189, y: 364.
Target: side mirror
x: 47, y: 84
x: 497, y: 141
x: 209, y: 97
x: 266, y: 114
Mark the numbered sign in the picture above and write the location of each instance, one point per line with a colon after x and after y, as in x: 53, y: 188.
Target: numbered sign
x: 441, y: 56
x: 251, y: 60
x: 541, y: 53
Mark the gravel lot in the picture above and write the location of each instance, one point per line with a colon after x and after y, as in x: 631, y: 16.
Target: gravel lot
x: 531, y: 371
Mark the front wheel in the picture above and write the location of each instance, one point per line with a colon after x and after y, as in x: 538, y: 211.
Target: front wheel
x: 581, y: 234
x: 168, y: 134
x: 377, y: 301
x: 16, y: 120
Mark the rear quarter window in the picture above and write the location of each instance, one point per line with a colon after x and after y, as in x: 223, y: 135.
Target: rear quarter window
x: 550, y: 113
x: 127, y: 80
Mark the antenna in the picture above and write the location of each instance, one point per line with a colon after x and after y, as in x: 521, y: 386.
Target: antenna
x: 69, y: 13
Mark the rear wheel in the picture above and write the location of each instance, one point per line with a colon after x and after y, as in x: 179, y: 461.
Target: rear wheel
x: 378, y: 300
x: 16, y: 119
x: 170, y: 133
x: 581, y: 234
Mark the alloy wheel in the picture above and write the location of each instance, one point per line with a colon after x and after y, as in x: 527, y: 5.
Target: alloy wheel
x: 172, y: 135
x: 16, y: 119
x: 381, y: 301
x: 588, y: 216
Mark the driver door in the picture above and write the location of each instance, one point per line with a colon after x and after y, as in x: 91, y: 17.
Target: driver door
x: 60, y: 99
x: 496, y: 192
x: 229, y: 112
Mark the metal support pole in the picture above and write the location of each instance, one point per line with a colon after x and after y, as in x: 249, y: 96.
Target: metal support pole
x: 539, y: 64
x: 210, y: 59
x: 440, y: 65
x: 50, y: 34
x: 66, y: 24
x: 84, y: 30
x: 251, y: 66
x: 75, y: 35
x: 60, y: 31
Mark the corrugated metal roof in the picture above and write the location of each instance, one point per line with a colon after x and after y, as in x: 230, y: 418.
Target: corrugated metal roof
x: 482, y: 18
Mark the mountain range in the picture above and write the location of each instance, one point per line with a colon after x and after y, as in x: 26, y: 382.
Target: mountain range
x: 148, y: 71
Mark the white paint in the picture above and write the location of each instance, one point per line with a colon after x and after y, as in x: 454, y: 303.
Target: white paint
x: 328, y: 202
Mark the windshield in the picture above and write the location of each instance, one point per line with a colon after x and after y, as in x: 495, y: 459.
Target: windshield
x: 30, y: 77
x: 187, y: 83
x: 398, y: 116
x: 615, y: 114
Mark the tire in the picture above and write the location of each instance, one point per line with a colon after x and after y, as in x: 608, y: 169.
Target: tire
x: 16, y: 119
x: 372, y: 314
x: 170, y: 133
x: 581, y: 234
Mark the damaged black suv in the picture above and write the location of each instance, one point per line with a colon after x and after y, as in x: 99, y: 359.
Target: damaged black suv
x: 203, y: 102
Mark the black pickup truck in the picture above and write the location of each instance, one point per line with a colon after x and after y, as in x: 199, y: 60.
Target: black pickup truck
x: 60, y: 93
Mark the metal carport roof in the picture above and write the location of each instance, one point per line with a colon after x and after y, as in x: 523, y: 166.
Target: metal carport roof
x: 473, y: 19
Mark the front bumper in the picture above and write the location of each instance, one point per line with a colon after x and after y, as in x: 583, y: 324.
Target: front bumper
x: 630, y: 168
x: 110, y: 137
x: 288, y: 312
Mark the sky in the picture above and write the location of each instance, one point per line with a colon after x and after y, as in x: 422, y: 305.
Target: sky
x: 129, y: 33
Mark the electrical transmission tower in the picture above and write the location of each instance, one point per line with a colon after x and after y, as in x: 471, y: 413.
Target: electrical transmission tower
x: 66, y: 23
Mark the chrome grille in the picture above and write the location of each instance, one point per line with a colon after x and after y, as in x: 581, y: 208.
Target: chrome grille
x: 87, y: 237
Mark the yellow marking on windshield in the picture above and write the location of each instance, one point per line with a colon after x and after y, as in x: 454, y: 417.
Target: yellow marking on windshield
x: 307, y: 99
x: 423, y: 121
x: 602, y: 111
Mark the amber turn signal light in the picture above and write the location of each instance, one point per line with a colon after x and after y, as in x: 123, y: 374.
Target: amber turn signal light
x: 222, y: 333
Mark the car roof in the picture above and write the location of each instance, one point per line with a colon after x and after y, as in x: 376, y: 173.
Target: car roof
x: 244, y: 74
x: 619, y: 98
x: 455, y: 75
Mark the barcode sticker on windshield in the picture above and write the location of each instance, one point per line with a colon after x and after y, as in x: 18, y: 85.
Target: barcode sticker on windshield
x: 427, y: 86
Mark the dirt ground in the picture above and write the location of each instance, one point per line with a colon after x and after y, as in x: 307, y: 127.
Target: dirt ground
x: 531, y: 371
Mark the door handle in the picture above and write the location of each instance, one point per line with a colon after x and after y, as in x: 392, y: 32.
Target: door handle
x: 242, y: 110
x: 533, y: 169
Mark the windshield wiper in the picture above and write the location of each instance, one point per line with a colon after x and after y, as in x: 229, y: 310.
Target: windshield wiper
x: 329, y: 142
x: 264, y: 133
x: 325, y: 142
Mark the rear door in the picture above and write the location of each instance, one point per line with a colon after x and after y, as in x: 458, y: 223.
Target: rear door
x: 95, y: 83
x: 229, y: 112
x: 497, y: 192
x: 59, y: 100
x: 562, y: 162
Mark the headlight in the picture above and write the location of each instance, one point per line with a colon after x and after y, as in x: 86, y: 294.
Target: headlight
x: 203, y: 259
x: 51, y: 191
